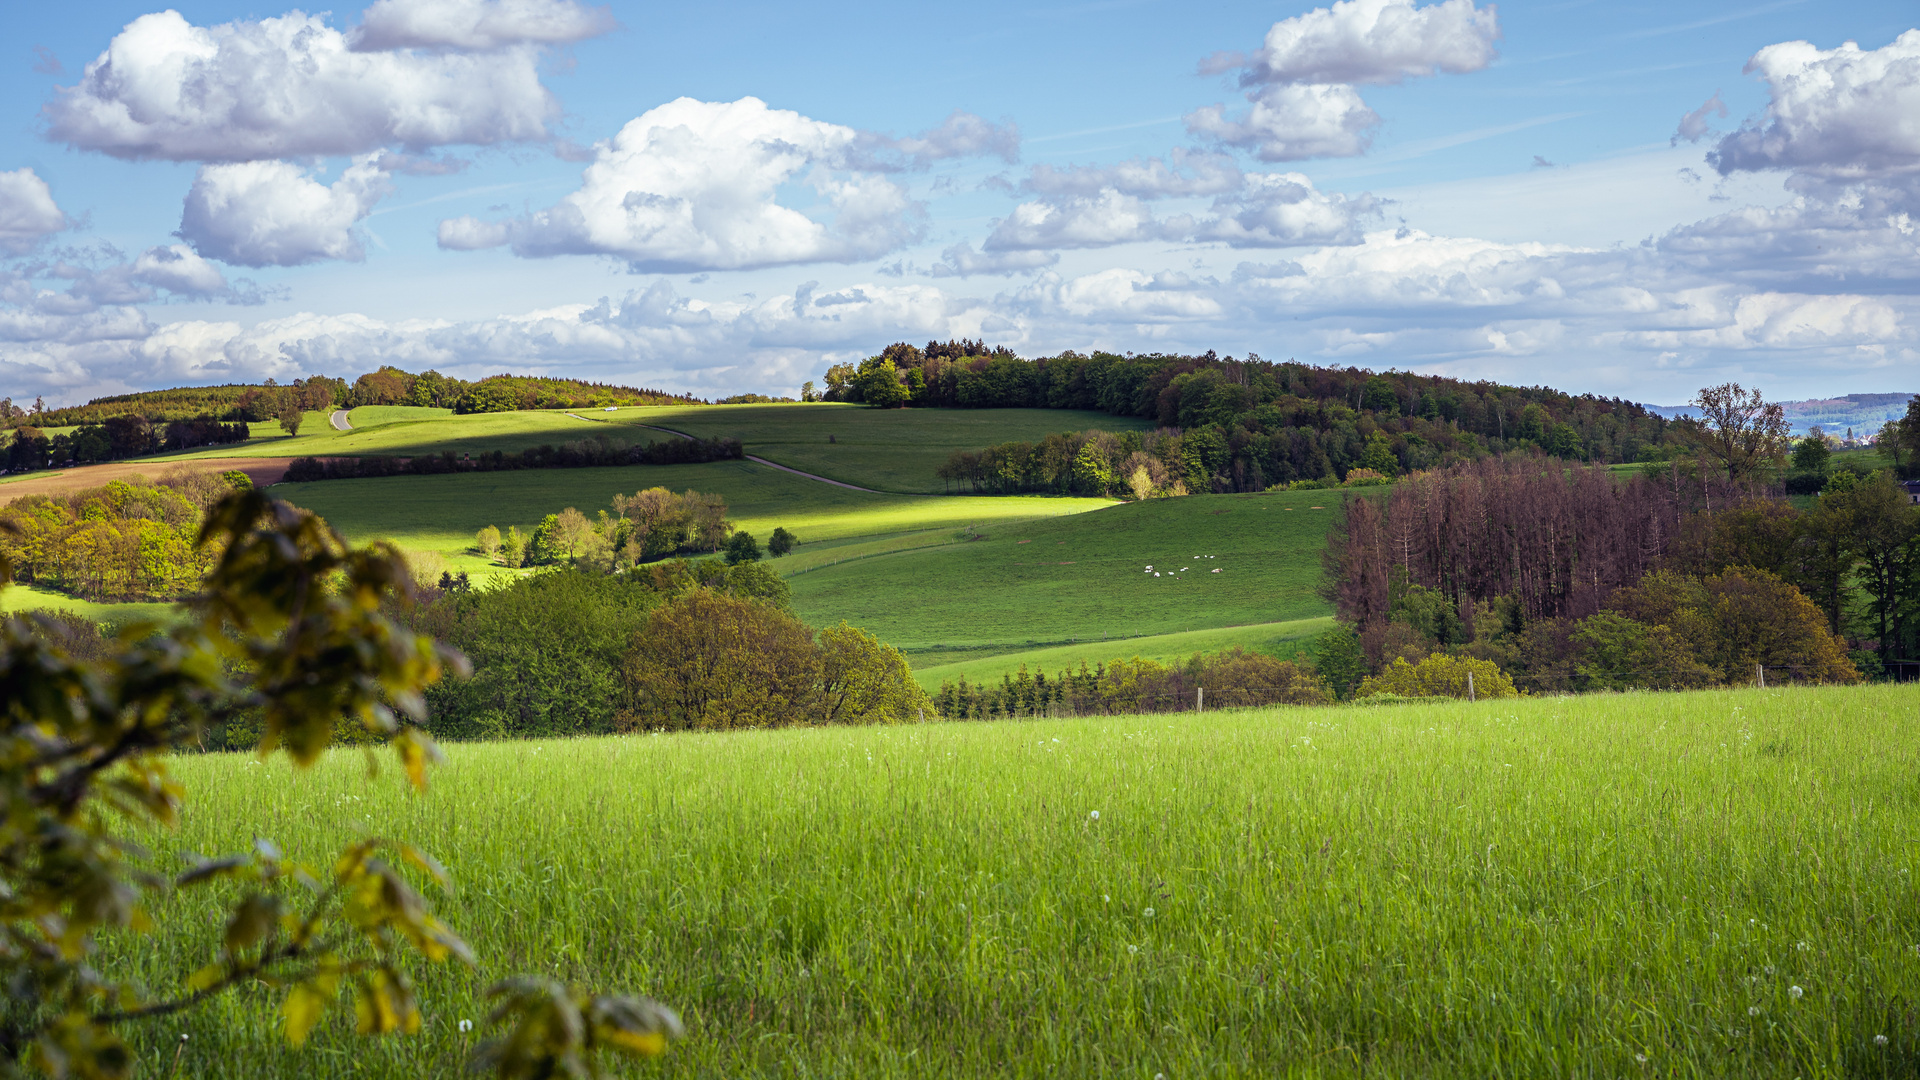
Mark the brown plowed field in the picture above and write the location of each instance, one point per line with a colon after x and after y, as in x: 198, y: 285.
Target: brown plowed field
x: 262, y: 470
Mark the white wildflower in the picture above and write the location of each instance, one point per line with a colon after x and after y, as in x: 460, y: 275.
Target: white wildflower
x: 1095, y: 815
x: 466, y: 1026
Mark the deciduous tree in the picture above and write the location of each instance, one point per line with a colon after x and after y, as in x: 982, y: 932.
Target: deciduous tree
x: 1738, y: 430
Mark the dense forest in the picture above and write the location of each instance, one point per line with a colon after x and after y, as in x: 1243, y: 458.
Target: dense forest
x: 1569, y: 578
x: 126, y: 540
x: 1256, y: 423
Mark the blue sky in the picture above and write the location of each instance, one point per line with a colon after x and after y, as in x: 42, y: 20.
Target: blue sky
x: 728, y: 198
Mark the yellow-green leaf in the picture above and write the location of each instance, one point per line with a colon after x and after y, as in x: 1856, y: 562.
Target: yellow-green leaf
x: 206, y: 977
x: 302, y: 1009
x: 645, y: 1044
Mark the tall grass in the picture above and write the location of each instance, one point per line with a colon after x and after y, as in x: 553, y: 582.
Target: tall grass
x: 1552, y: 887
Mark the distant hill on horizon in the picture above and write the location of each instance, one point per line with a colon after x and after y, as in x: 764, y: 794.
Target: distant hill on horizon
x: 1864, y: 413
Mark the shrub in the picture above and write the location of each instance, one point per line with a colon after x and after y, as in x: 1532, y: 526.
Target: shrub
x: 742, y: 548
x: 711, y: 661
x: 1439, y: 675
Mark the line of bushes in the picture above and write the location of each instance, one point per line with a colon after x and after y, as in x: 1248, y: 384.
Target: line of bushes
x: 586, y: 453
x: 673, y: 645
x: 116, y: 439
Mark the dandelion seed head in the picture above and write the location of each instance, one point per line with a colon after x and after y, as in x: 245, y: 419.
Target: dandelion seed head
x: 1794, y: 992
x: 466, y: 1026
x: 1753, y: 1010
x: 1148, y: 913
x: 1131, y: 949
x: 1641, y: 1058
x: 1879, y: 1040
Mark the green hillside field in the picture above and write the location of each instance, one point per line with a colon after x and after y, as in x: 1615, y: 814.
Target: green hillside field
x: 885, y: 449
x: 1048, y: 581
x: 1283, y: 639
x: 1711, y: 884
x: 441, y: 513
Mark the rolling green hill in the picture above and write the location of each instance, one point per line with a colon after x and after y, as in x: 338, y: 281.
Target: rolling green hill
x: 1048, y: 581
x: 887, y: 449
x: 441, y: 513
x: 1278, y: 638
x: 971, y: 585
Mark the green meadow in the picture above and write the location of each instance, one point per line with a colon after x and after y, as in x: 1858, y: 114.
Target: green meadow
x: 441, y: 513
x: 1716, y: 884
x: 405, y: 431
x: 30, y: 598
x: 949, y: 579
x: 885, y: 449
x: 988, y: 664
x: 1081, y: 577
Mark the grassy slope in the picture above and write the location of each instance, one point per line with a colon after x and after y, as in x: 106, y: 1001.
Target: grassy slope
x: 887, y: 449
x: 402, y: 431
x: 1081, y: 577
x: 1278, y: 638
x: 29, y: 598
x: 1536, y: 888
x: 441, y: 513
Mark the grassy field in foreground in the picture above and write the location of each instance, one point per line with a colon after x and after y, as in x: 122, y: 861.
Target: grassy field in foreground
x: 887, y: 449
x: 441, y: 513
x: 1283, y: 639
x: 1719, y: 883
x: 1043, y: 582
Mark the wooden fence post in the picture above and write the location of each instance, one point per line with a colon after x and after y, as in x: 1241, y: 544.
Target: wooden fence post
x: 1469, y: 686
x: 1199, y: 699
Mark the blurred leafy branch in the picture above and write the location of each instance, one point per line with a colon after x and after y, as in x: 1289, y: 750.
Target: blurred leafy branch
x: 289, y: 628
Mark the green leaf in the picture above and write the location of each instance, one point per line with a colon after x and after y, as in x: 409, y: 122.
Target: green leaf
x: 253, y: 919
x: 206, y: 977
x: 305, y: 1004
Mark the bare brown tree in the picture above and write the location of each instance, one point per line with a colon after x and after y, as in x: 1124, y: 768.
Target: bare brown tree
x: 1737, y: 430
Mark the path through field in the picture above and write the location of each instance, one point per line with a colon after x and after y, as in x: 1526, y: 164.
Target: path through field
x: 338, y: 418
x: 773, y: 464
x: 261, y: 470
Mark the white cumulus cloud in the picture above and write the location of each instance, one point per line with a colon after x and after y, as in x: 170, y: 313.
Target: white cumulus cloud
x: 1292, y: 123
x: 1371, y: 41
x: 1248, y: 210
x: 287, y: 87
x: 1302, y: 102
x: 694, y: 185
x: 27, y: 212
x: 272, y: 213
x: 961, y: 260
x: 477, y: 24
x: 1837, y: 115
x: 179, y: 270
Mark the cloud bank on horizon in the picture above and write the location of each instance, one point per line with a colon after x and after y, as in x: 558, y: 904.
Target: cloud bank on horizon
x: 770, y: 243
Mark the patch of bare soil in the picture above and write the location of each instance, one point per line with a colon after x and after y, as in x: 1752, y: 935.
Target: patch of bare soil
x: 261, y: 470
